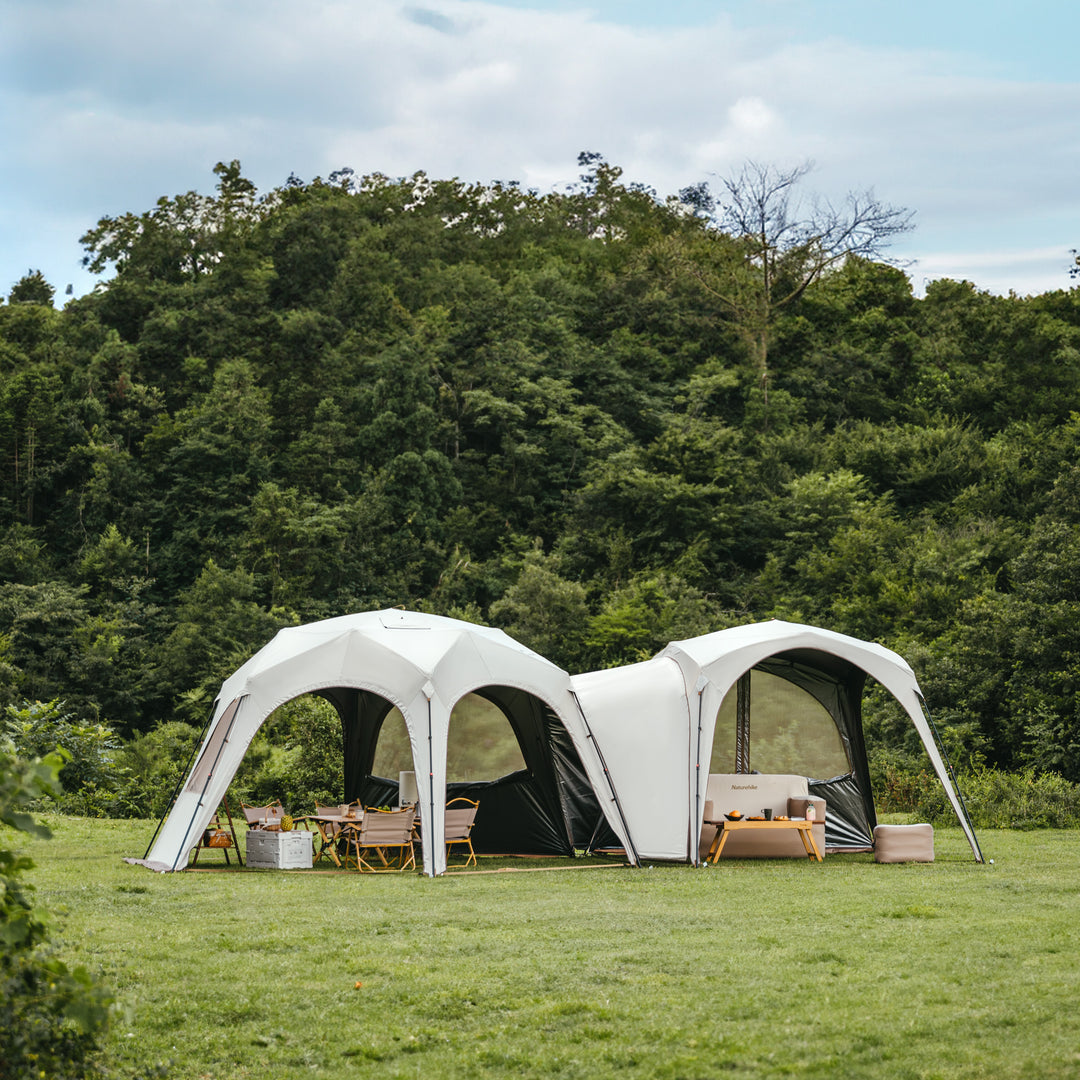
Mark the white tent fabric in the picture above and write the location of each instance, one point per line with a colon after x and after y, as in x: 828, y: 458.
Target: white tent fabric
x: 423, y: 664
x: 656, y: 732
x: 639, y: 716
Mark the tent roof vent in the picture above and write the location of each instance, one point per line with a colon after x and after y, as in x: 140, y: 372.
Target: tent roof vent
x: 403, y: 620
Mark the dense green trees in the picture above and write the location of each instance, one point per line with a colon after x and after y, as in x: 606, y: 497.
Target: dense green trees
x: 542, y: 411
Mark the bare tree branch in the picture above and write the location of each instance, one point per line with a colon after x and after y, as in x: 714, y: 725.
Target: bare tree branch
x: 788, y: 241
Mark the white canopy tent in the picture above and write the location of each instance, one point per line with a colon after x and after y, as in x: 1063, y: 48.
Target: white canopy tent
x: 642, y: 735
x: 422, y: 664
x: 655, y: 721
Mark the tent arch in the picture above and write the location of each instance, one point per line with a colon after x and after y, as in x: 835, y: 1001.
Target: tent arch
x: 550, y: 805
x: 714, y: 662
x: 551, y: 795
x: 226, y: 742
x: 836, y: 686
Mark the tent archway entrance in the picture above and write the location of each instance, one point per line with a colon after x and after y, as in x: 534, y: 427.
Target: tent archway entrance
x: 547, y: 807
x: 800, y: 711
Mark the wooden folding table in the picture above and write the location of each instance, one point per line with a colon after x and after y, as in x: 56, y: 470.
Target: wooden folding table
x: 724, y: 827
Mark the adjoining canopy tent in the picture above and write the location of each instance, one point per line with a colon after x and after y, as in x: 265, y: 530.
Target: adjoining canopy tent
x: 655, y: 724
x: 369, y: 663
x: 639, y: 716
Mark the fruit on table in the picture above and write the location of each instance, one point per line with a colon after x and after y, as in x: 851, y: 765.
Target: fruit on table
x: 734, y: 813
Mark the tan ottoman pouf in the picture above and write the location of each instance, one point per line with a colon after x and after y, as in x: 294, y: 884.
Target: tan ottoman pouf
x: 903, y: 843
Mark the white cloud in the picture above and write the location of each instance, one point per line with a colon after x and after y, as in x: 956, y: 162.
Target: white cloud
x: 752, y: 116
x: 1024, y: 272
x: 111, y: 104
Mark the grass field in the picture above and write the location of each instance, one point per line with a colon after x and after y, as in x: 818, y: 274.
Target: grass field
x: 759, y: 969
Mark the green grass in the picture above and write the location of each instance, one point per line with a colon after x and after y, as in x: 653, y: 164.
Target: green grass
x: 757, y: 969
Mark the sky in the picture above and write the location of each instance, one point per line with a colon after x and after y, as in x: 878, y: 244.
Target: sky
x: 965, y: 111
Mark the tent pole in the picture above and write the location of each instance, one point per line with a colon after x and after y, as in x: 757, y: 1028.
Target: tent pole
x: 430, y: 829
x: 742, y: 723
x: 695, y: 825
x: 180, y: 779
x: 209, y: 777
x: 611, y: 783
x: 431, y: 767
x: 952, y: 776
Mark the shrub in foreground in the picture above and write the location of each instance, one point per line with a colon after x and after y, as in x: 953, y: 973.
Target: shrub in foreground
x: 50, y: 1016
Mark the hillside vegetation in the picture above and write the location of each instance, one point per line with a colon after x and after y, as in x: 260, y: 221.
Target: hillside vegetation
x: 542, y: 412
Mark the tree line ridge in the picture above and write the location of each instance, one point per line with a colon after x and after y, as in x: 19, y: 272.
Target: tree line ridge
x: 599, y: 419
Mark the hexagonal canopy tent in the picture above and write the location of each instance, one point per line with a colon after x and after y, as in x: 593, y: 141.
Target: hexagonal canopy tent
x: 367, y: 664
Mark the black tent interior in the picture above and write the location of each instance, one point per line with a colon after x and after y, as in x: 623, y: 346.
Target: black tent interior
x: 546, y: 808
x: 815, y: 731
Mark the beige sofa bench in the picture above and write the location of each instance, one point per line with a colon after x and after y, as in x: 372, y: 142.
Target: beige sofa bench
x: 751, y: 793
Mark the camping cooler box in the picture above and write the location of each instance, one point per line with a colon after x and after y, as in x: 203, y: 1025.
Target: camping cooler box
x: 279, y: 850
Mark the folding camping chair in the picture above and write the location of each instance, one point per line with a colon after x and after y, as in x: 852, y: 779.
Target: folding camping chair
x: 264, y: 817
x: 379, y: 833
x: 460, y: 815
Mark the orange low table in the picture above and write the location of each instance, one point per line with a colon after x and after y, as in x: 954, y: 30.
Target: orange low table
x: 724, y: 827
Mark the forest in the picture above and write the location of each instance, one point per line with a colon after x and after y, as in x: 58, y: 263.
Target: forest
x: 599, y: 418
